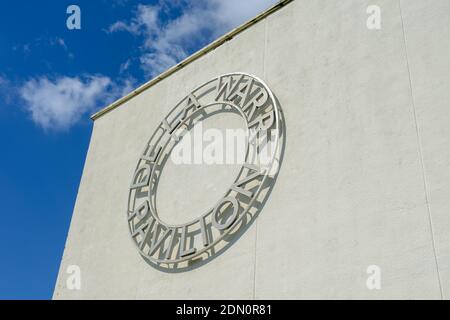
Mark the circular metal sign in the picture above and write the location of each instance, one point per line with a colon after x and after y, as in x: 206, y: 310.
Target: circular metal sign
x: 162, y: 243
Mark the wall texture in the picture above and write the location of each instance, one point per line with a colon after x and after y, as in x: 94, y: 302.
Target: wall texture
x: 365, y: 178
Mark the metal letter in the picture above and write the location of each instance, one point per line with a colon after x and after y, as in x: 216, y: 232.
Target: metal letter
x: 140, y: 212
x: 143, y: 181
x: 233, y: 217
x: 156, y: 243
x: 237, y: 186
x: 260, y: 121
x: 171, y: 129
x: 256, y: 100
x: 183, y: 251
x: 192, y: 104
x: 141, y: 231
x: 204, y: 231
x: 152, y: 158
x: 224, y: 90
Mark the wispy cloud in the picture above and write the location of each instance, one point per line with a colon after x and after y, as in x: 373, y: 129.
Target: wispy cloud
x: 55, y: 42
x: 58, y: 42
x: 125, y: 66
x: 144, y: 21
x: 166, y: 41
x: 57, y: 104
x: 5, y: 90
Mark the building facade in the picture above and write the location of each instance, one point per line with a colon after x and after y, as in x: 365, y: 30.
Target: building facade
x: 359, y: 207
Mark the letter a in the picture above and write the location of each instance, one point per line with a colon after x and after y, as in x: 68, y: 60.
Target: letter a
x: 74, y: 20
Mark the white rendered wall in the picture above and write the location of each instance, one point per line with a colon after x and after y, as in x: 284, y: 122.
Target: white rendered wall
x: 365, y: 178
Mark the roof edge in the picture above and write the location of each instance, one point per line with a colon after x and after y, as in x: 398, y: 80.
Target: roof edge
x: 210, y: 47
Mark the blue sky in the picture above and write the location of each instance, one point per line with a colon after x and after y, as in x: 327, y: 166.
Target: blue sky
x: 51, y: 80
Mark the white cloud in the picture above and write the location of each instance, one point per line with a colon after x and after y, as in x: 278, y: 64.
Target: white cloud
x: 232, y: 13
x: 125, y: 66
x: 145, y: 20
x: 57, y: 104
x: 157, y: 62
x: 166, y: 42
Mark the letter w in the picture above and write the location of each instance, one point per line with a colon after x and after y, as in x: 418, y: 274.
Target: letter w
x: 238, y: 185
